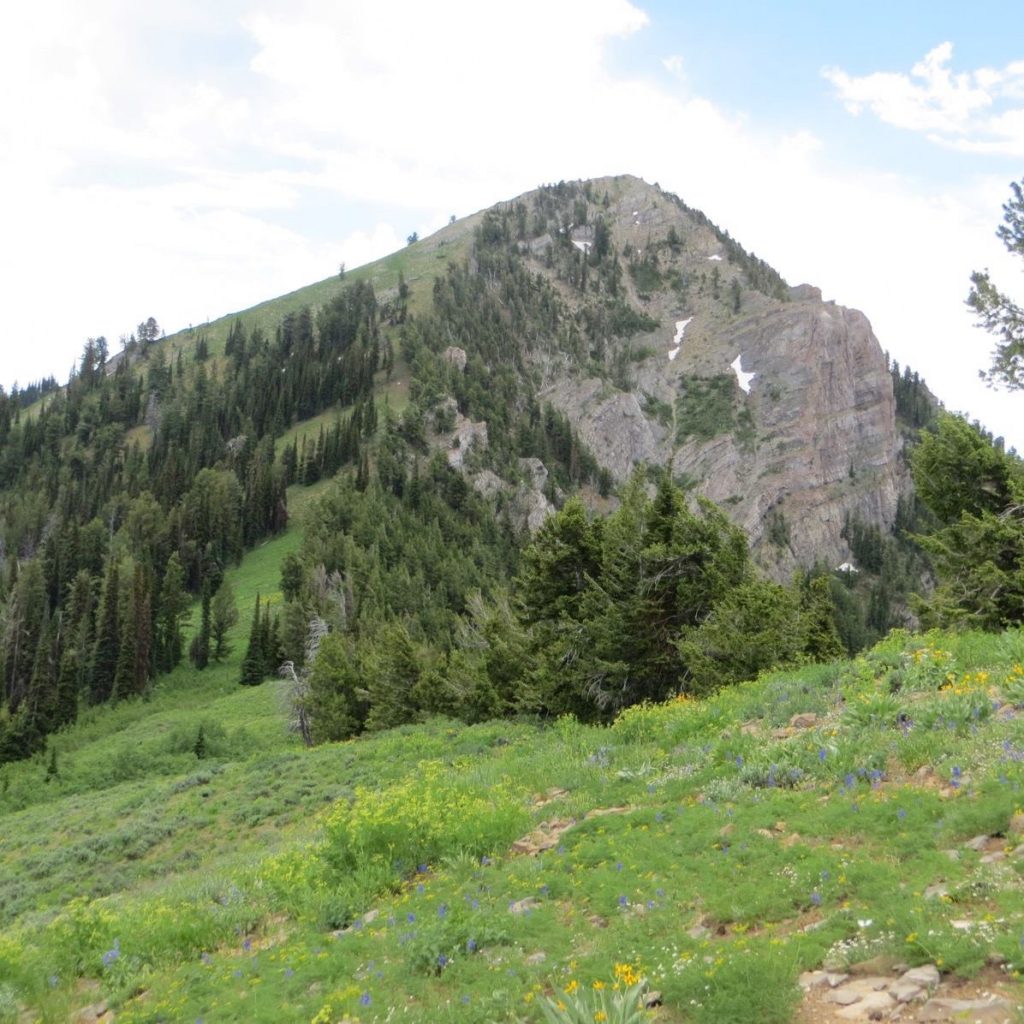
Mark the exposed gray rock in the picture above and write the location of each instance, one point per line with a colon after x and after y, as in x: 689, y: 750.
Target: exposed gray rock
x: 465, y: 437
x: 978, y: 1011
x: 927, y: 976
x: 814, y: 440
x: 813, y: 979
x: 873, y: 1006
x: 488, y: 483
x: 805, y: 293
x: 524, y: 905
x: 906, y: 991
x: 455, y: 356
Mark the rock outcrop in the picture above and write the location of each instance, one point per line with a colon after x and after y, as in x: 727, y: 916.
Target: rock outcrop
x: 772, y: 402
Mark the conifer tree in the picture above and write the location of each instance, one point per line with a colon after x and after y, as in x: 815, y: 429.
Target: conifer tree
x: 253, y: 663
x: 223, y: 616
x: 103, y: 664
x: 199, y: 649
x: 392, y: 673
x: 172, y: 607
x: 68, y: 684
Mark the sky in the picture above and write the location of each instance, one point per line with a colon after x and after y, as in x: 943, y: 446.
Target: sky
x: 188, y: 159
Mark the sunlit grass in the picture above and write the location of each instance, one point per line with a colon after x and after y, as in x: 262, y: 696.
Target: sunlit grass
x: 707, y: 848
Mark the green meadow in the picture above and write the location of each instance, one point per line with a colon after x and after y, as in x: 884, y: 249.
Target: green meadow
x: 709, y: 850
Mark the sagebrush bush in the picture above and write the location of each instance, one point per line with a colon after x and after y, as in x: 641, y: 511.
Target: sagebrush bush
x: 427, y: 816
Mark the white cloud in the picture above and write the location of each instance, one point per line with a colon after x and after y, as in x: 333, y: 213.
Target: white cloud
x: 674, y: 65
x: 135, y: 182
x: 965, y: 111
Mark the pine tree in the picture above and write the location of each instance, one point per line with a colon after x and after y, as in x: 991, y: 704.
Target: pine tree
x: 172, y: 608
x: 253, y: 663
x: 393, y: 671
x: 199, y: 649
x: 223, y: 616
x: 103, y: 664
x: 68, y: 683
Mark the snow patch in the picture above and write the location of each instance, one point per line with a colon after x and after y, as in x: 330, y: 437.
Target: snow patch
x: 677, y: 340
x: 583, y: 247
x: 716, y: 257
x: 744, y: 379
x: 680, y: 329
x: 847, y: 567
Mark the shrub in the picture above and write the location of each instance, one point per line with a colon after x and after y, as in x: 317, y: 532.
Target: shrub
x: 426, y: 816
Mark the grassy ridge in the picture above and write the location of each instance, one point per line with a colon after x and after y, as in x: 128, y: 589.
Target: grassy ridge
x: 417, y: 263
x: 711, y: 848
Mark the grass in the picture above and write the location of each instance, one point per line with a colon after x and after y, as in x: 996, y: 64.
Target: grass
x: 418, y: 263
x: 708, y: 849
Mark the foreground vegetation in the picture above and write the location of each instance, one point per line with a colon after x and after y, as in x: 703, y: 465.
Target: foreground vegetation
x: 712, y: 849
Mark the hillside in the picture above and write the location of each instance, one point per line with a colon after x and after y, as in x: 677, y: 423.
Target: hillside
x: 452, y: 510
x: 860, y: 818
x: 466, y: 387
x: 653, y: 306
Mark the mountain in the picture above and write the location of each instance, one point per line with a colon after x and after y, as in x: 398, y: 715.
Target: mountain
x: 670, y: 345
x: 462, y: 390
x: 775, y: 404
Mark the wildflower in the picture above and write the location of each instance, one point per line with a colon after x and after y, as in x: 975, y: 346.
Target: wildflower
x: 901, y: 813
x: 112, y: 954
x: 822, y: 753
x: 410, y: 917
x: 739, y: 760
x: 442, y: 960
x: 816, y: 899
x: 289, y: 972
x: 626, y: 974
x: 442, y: 911
x: 598, y: 985
x: 470, y: 945
x: 618, y: 866
x: 571, y: 987
x: 600, y: 1016
x: 365, y: 999
x: 623, y: 901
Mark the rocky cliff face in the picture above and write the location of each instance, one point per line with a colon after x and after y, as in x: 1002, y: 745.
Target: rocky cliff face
x: 774, y: 403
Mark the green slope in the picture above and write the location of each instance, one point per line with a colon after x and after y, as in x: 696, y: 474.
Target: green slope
x: 715, y: 848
